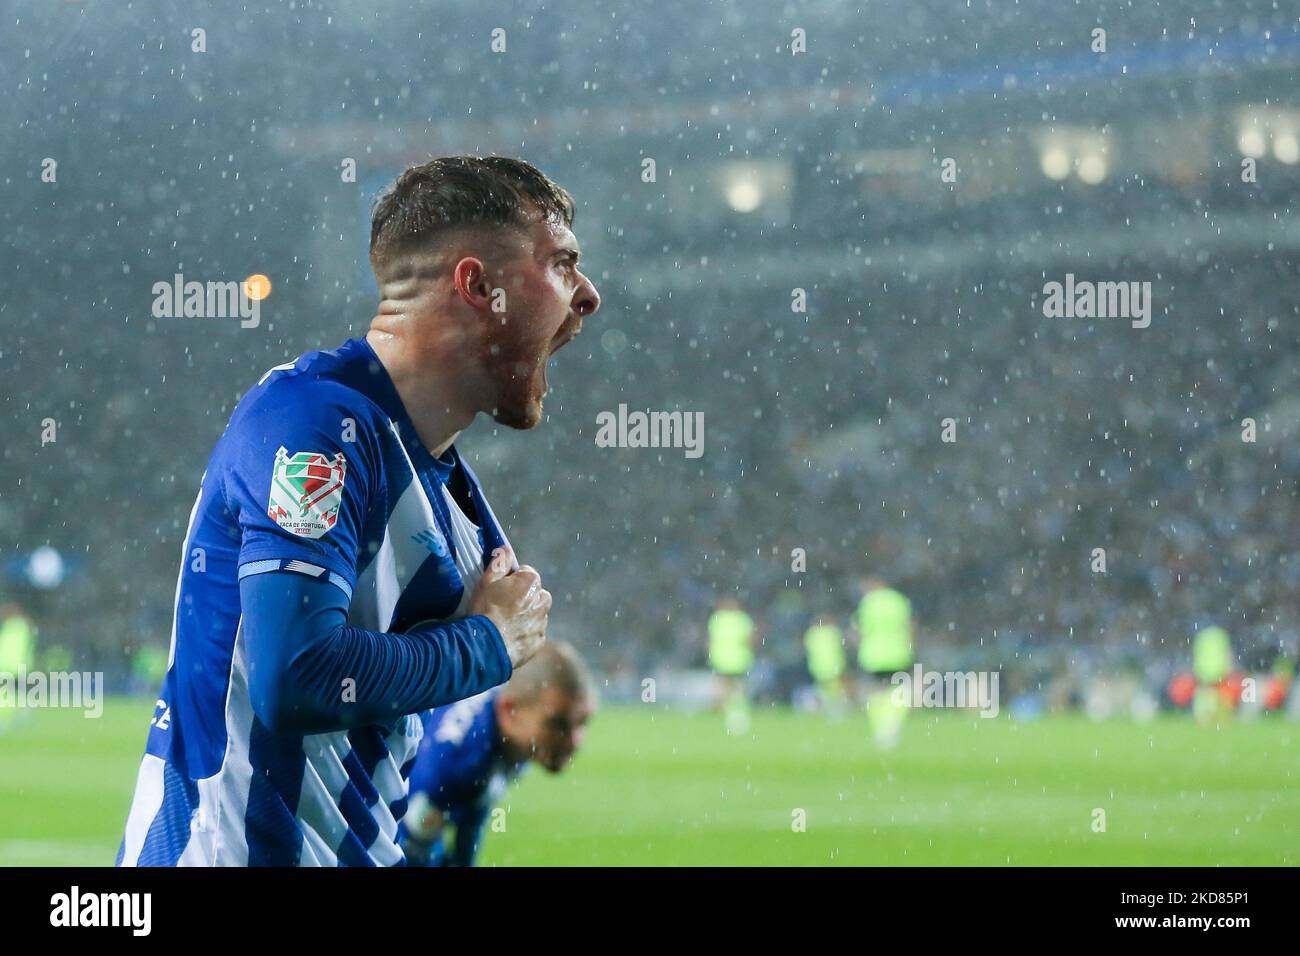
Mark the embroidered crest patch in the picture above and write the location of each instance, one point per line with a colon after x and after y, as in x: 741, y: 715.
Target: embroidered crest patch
x: 306, y: 491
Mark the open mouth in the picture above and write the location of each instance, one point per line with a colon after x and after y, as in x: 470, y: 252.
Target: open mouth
x: 567, y: 334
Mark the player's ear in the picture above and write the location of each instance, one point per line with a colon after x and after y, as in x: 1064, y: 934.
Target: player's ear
x: 472, y: 283
x: 505, y: 705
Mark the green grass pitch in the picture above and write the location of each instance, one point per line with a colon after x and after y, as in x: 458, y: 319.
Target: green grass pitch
x: 658, y: 787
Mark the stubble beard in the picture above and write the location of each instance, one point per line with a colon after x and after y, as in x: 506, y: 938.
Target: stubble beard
x: 519, y: 394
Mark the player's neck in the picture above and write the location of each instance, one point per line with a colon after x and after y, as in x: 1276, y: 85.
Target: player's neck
x: 435, y: 413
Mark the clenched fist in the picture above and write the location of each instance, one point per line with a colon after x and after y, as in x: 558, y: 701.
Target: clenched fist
x: 516, y: 602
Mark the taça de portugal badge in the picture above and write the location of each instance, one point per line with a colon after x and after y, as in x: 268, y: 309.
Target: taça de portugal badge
x: 306, y: 491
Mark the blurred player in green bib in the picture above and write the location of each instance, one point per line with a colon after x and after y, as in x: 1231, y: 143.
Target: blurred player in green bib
x: 1211, y: 663
x: 17, y: 657
x: 827, y: 662
x: 731, y: 655
x: 148, y: 667
x: 883, y: 621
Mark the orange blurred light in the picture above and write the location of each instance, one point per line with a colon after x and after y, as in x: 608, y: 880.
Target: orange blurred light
x: 257, y: 287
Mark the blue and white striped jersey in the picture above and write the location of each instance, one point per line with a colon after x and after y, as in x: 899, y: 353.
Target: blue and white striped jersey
x: 319, y: 472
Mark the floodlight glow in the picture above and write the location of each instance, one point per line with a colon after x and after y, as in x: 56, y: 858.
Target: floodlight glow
x: 744, y: 194
x: 1093, y: 168
x: 1055, y: 162
x: 1251, y: 142
x: 1286, y: 147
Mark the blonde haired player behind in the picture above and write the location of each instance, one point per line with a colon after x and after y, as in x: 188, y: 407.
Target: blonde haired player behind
x: 472, y: 749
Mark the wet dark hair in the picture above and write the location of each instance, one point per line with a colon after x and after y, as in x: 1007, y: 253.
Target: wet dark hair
x: 456, y: 191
